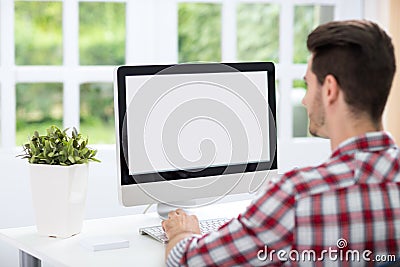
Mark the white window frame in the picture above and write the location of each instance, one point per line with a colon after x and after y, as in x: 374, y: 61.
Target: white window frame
x: 152, y: 38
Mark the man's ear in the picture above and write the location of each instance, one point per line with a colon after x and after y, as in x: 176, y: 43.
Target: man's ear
x: 331, y: 89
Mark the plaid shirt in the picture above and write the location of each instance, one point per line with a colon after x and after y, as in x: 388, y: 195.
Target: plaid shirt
x: 323, y: 216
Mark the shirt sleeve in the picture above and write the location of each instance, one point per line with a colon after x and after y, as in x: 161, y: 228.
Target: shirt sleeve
x: 266, y: 225
x: 175, y: 256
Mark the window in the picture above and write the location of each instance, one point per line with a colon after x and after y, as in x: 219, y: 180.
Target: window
x: 97, y: 112
x: 38, y: 33
x: 258, y: 32
x: 68, y: 50
x: 65, y: 53
x: 38, y: 106
x: 306, y: 18
x: 199, y: 32
x: 101, y: 33
x: 299, y: 112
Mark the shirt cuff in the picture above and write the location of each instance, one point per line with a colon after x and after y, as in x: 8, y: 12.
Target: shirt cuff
x: 176, y: 253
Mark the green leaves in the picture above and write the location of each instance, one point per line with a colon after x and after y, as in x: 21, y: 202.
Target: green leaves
x: 57, y: 148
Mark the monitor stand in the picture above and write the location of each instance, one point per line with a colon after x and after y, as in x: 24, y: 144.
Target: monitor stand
x: 163, y: 208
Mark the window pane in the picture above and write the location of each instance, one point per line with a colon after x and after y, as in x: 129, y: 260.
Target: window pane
x: 199, y: 32
x: 300, y: 117
x: 97, y: 112
x: 299, y: 83
x: 39, y: 105
x: 38, y: 33
x: 306, y: 18
x: 258, y: 32
x: 101, y: 33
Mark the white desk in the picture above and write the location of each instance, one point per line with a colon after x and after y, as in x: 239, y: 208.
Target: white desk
x: 143, y: 250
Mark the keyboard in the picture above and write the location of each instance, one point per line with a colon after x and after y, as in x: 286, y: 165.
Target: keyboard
x: 206, y: 226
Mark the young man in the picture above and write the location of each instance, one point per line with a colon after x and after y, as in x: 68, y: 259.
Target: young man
x: 348, y: 206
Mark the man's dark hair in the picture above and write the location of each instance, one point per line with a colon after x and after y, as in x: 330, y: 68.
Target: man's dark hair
x: 360, y: 55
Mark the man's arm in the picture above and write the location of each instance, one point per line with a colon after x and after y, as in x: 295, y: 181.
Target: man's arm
x: 269, y: 220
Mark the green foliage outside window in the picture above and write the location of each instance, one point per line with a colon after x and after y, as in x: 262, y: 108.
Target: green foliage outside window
x: 199, y: 32
x: 38, y: 33
x: 97, y: 112
x: 101, y: 33
x: 306, y: 18
x: 299, y: 84
x: 258, y: 32
x: 39, y: 105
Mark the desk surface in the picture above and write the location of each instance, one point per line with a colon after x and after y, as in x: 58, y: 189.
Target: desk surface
x: 142, y: 251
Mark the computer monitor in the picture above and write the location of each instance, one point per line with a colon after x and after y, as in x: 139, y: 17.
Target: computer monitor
x: 194, y: 131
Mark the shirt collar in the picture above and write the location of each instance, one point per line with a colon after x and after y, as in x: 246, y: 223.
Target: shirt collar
x: 372, y: 141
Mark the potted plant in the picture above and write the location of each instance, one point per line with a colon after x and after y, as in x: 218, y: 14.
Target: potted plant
x: 59, y: 176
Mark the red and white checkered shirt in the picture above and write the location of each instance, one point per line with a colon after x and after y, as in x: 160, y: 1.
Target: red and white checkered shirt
x: 343, y: 212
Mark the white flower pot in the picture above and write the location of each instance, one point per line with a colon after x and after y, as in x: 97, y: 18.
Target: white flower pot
x: 59, y: 196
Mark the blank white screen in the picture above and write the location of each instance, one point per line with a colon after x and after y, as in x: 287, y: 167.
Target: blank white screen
x: 188, y: 121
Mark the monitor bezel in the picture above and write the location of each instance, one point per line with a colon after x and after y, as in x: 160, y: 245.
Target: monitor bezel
x: 194, y: 68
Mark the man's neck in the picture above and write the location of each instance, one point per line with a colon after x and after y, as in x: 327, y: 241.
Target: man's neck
x: 343, y: 131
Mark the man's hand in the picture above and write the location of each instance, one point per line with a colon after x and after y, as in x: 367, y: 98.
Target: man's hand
x: 179, y: 222
x: 178, y: 226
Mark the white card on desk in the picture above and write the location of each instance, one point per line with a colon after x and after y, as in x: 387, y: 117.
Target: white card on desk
x: 104, y: 243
